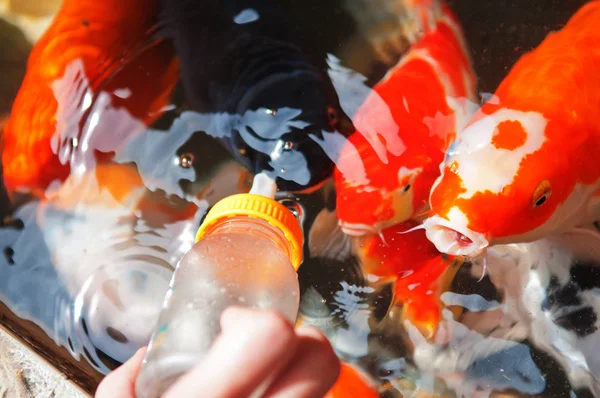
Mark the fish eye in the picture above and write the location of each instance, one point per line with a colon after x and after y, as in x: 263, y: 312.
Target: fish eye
x: 186, y: 160
x: 541, y: 194
x: 406, y: 188
x: 333, y: 116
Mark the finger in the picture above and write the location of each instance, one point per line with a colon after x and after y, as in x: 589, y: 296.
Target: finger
x: 120, y: 383
x: 313, y: 370
x: 252, y: 346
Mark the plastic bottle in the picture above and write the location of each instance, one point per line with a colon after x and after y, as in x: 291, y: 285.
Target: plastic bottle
x: 247, y: 252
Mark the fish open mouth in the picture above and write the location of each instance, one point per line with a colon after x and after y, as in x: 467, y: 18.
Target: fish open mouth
x: 449, y: 239
x: 357, y: 229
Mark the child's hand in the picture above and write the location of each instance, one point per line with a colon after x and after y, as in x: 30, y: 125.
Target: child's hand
x: 255, y: 345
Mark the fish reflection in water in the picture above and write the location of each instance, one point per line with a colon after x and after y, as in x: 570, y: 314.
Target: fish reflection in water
x: 94, y: 259
x: 97, y: 251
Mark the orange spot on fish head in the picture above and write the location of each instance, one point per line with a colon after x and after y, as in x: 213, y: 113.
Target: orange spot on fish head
x: 519, y: 208
x: 509, y: 135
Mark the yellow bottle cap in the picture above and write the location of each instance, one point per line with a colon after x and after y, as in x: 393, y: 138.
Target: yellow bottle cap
x: 263, y: 208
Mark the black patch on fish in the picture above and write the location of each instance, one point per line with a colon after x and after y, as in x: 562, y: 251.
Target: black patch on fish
x: 465, y: 283
x: 9, y: 253
x: 586, y: 275
x: 207, y: 155
x: 562, y: 296
x: 582, y: 321
x: 236, y: 68
x: 565, y: 302
x: 382, y: 301
x: 557, y: 383
x: 70, y: 343
x: 583, y: 393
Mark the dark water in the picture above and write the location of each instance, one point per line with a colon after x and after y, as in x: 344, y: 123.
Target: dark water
x: 92, y: 270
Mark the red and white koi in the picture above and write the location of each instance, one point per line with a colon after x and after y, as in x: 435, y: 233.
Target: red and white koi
x: 91, y: 48
x: 526, y: 165
x: 386, y: 169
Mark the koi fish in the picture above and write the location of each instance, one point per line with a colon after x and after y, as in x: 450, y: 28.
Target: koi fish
x: 241, y: 60
x: 90, y: 47
x: 525, y: 166
x: 421, y: 273
x: 386, y: 169
x: 351, y: 383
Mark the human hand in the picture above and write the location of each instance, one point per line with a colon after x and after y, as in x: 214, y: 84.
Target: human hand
x: 254, y: 346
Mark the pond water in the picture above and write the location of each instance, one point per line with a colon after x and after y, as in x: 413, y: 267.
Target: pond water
x: 116, y: 149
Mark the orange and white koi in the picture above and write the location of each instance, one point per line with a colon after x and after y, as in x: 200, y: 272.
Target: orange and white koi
x: 386, y: 169
x: 526, y: 165
x: 90, y: 46
x: 421, y: 273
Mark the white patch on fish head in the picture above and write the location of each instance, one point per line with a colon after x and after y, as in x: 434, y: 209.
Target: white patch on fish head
x: 452, y: 235
x: 483, y: 167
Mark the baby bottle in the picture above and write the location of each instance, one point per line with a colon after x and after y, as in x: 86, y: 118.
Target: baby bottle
x: 247, y: 252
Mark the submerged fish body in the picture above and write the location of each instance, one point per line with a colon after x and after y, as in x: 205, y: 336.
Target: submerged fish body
x: 351, y: 383
x: 247, y: 60
x: 548, y: 296
x: 94, y: 54
x: 421, y: 273
x: 526, y: 166
x: 93, y: 260
x: 386, y: 169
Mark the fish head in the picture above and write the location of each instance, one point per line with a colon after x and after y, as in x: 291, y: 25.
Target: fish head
x: 501, y: 182
x: 284, y: 124
x: 377, y: 190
